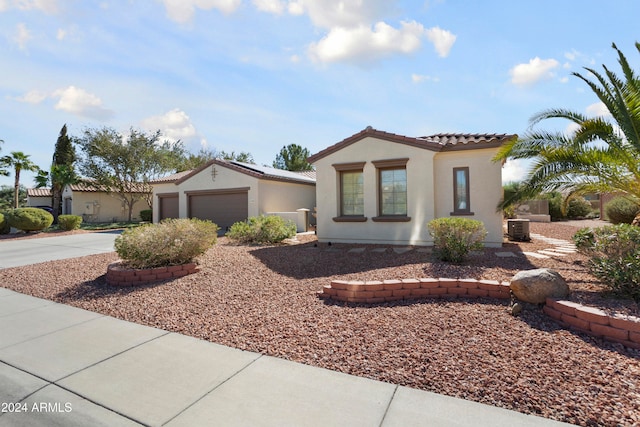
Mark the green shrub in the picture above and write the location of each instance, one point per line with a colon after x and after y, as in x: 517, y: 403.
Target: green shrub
x: 69, y: 222
x: 555, y: 205
x: 578, y: 207
x: 621, y: 210
x: 454, y: 238
x: 146, y: 215
x: 614, y: 256
x: 171, y: 242
x: 29, y: 219
x: 5, y: 228
x: 262, y: 229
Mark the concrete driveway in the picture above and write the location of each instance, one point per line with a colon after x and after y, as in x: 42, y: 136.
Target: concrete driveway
x: 16, y: 253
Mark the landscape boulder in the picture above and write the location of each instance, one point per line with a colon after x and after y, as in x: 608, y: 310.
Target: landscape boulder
x: 535, y: 286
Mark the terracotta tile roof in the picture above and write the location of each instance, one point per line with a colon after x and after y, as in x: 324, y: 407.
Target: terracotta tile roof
x: 256, y: 171
x: 438, y: 142
x: 39, y: 192
x: 308, y: 174
x: 170, y: 178
x: 90, y: 187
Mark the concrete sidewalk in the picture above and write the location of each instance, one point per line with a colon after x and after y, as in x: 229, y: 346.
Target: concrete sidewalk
x: 60, y: 365
x: 16, y: 253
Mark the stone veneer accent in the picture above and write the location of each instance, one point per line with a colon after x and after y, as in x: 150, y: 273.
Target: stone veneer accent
x: 118, y: 275
x: 618, y: 328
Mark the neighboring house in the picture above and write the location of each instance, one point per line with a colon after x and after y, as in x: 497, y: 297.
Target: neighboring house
x: 379, y: 187
x: 39, y: 197
x: 226, y: 192
x: 95, y: 204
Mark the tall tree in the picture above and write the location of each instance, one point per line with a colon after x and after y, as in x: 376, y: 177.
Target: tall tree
x: 125, y: 165
x: 293, y: 158
x: 18, y: 161
x: 600, y: 156
x: 243, y: 156
x: 58, y: 177
x: 193, y: 161
x: 62, y: 170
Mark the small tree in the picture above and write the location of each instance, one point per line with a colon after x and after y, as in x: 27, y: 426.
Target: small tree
x: 243, y: 156
x: 19, y: 162
x: 293, y: 158
x: 124, y: 166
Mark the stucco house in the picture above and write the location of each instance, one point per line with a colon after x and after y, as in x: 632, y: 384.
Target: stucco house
x: 92, y: 202
x: 226, y: 192
x: 380, y: 187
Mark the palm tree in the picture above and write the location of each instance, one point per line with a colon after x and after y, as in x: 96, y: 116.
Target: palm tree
x: 19, y: 162
x: 59, y: 177
x: 600, y: 156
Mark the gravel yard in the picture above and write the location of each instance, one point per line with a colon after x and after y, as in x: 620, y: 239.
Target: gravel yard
x: 263, y: 299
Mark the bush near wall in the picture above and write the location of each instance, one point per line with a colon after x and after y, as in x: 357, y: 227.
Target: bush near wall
x: 621, y: 210
x: 5, y: 228
x: 454, y: 238
x: 171, y: 242
x: 146, y: 215
x: 29, y: 219
x: 614, y: 256
x: 69, y: 222
x: 262, y: 229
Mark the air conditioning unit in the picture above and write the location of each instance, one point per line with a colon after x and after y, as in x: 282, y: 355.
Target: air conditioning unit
x: 518, y: 229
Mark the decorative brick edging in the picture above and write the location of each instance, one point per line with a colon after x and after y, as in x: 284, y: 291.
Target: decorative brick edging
x: 118, y: 275
x: 373, y: 292
x: 593, y: 321
x: 618, y: 328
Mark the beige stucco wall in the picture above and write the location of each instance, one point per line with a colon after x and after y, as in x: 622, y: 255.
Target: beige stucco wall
x: 485, y: 182
x: 429, y: 192
x: 419, y: 195
x: 277, y: 196
x: 38, y: 201
x: 100, y: 207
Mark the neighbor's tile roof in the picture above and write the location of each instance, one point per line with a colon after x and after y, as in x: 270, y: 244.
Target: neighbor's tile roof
x: 256, y: 171
x: 171, y: 178
x: 39, y: 192
x: 438, y: 142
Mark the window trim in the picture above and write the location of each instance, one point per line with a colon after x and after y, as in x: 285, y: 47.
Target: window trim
x: 341, y: 168
x: 388, y: 164
x: 467, y: 175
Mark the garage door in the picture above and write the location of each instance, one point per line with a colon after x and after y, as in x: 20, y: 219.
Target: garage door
x: 224, y: 209
x: 168, y: 207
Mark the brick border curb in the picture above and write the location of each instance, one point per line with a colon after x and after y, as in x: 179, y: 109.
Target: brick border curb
x: 118, y: 275
x: 618, y: 328
x: 593, y: 321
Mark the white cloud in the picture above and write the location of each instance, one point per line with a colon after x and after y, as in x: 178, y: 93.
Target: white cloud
x: 22, y: 36
x: 270, y: 6
x: 537, y: 69
x: 365, y: 44
x: 47, y: 6
x: 182, y: 11
x: 514, y: 170
x: 419, y: 78
x: 598, y: 109
x: 80, y: 102
x: 442, y: 40
x: 329, y: 14
x: 32, y: 97
x: 175, y: 125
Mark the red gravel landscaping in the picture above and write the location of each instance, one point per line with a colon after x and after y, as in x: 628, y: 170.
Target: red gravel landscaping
x: 264, y: 299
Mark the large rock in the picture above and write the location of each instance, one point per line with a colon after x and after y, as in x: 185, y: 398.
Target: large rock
x: 535, y: 286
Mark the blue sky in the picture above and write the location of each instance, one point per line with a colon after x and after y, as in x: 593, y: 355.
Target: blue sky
x: 256, y: 75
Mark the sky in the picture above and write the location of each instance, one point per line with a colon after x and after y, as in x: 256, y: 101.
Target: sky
x: 257, y: 75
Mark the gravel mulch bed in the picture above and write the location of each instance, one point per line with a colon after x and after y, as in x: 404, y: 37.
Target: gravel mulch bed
x: 263, y: 299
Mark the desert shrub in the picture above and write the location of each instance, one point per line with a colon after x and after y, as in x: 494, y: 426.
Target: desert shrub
x: 621, y: 210
x: 171, y: 242
x: 578, y: 207
x: 5, y: 228
x: 555, y: 205
x: 262, y: 229
x: 146, y: 215
x: 69, y: 222
x: 29, y: 219
x: 614, y: 256
x: 454, y: 238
